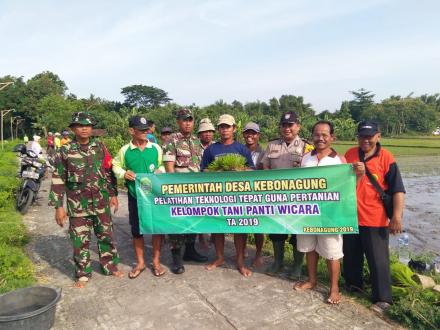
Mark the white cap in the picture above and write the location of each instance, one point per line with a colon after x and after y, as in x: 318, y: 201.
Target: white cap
x: 206, y: 125
x: 226, y: 119
x: 36, y: 138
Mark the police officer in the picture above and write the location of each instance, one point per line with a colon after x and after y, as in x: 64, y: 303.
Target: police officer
x: 286, y: 152
x: 183, y: 155
x: 83, y: 172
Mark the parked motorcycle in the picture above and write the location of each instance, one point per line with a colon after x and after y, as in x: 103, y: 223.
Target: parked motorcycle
x: 31, y: 171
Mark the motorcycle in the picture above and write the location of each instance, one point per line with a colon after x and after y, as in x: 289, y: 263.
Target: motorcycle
x: 31, y: 171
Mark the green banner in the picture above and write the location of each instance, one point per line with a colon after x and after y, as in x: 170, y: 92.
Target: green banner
x: 313, y: 200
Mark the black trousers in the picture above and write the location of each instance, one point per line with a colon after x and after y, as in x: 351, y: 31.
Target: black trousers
x: 282, y: 238
x: 373, y: 242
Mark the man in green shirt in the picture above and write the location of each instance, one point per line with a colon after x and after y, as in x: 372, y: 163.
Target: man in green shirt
x: 139, y: 156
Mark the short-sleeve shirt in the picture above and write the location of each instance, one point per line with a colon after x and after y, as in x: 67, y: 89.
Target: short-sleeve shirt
x: 371, y: 212
x: 311, y: 159
x: 185, y: 152
x: 130, y: 157
x: 218, y: 149
x: 279, y: 154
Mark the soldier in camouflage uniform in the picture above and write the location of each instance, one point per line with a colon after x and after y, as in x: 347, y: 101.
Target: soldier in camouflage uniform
x: 183, y: 155
x: 286, y: 152
x: 83, y: 172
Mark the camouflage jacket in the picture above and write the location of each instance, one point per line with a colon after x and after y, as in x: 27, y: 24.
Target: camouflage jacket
x: 85, y: 175
x: 185, y: 152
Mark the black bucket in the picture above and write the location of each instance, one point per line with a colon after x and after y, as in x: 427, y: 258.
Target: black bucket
x: 29, y: 308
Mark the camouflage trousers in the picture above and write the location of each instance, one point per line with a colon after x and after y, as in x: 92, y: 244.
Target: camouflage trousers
x: 80, y: 230
x: 177, y: 241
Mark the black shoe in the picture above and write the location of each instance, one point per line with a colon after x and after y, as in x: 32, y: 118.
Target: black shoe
x: 178, y: 270
x: 191, y: 254
x: 177, y: 262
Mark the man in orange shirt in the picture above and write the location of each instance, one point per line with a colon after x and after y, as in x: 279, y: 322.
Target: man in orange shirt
x: 374, y: 225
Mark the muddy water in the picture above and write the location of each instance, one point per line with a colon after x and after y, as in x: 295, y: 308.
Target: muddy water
x: 421, y: 218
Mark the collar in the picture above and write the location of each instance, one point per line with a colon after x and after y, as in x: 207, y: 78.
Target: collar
x: 76, y: 144
x: 148, y: 145
x: 259, y: 149
x: 332, y: 154
x: 181, y: 136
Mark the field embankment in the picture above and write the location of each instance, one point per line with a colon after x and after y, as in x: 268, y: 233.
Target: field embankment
x: 16, y: 270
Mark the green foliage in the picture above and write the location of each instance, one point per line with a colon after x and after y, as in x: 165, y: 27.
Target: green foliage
x: 12, y: 230
x: 229, y: 162
x: 43, y: 103
x: 113, y: 144
x: 362, y: 103
x: 144, y: 96
x: 54, y: 112
x: 417, y: 309
x: 401, y: 275
x: 16, y: 270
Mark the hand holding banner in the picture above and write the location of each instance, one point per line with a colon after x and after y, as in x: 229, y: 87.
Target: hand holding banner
x: 314, y: 200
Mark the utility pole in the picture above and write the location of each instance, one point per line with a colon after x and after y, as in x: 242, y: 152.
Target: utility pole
x: 4, y: 113
x: 3, y: 85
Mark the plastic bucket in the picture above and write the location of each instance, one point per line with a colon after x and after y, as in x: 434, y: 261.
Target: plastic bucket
x: 29, y: 308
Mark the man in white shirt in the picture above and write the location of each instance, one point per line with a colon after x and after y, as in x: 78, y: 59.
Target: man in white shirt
x: 328, y: 246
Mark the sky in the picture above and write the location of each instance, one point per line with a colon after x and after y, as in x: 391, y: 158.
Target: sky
x: 204, y: 51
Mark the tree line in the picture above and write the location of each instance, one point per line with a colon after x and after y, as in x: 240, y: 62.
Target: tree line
x: 43, y: 104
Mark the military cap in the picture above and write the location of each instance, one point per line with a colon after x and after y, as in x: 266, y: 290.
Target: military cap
x: 289, y: 117
x: 184, y: 113
x: 82, y: 118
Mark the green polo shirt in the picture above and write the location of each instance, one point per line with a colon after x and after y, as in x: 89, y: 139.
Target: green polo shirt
x: 130, y: 157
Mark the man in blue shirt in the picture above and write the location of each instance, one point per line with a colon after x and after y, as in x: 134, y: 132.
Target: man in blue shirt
x: 227, y: 145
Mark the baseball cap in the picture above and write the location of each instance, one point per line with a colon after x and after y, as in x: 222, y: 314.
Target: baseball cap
x: 289, y: 117
x: 82, y: 118
x: 367, y: 128
x: 251, y: 126
x: 206, y: 125
x: 226, y: 119
x: 138, y: 122
x: 166, y: 130
x: 184, y: 113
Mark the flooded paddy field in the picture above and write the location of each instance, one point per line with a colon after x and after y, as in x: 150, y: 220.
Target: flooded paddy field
x: 421, y: 218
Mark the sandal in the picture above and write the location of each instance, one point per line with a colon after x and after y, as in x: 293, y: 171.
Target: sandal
x: 135, y: 272
x: 158, y: 272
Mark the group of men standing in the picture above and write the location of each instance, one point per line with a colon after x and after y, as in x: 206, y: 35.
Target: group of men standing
x: 84, y: 174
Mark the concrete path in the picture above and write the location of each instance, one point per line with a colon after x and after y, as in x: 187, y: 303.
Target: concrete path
x: 198, y: 299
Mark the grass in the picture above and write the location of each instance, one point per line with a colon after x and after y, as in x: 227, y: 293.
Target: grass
x: 415, y: 309
x: 16, y: 270
x: 420, y: 146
